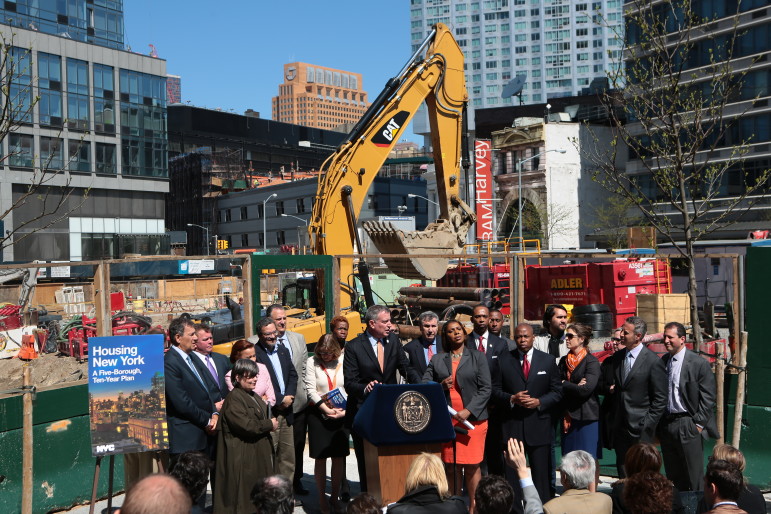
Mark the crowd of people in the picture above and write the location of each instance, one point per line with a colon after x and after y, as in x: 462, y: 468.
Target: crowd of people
x: 248, y: 417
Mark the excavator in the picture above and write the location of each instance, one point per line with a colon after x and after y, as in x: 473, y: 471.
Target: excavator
x: 433, y: 74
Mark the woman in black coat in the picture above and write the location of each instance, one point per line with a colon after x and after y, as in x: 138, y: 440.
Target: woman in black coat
x: 580, y: 371
x: 426, y: 490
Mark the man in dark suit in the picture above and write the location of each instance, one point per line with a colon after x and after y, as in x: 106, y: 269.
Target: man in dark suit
x: 419, y: 351
x: 607, y: 388
x: 215, y: 364
x: 492, y: 345
x: 190, y: 405
x: 526, y: 385
x: 639, y: 389
x: 372, y: 358
x: 689, y: 417
x: 495, y: 326
x: 283, y: 377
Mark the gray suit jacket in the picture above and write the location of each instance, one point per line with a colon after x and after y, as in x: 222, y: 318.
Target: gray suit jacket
x: 697, y: 389
x: 642, y: 396
x: 472, y: 376
x: 533, y: 503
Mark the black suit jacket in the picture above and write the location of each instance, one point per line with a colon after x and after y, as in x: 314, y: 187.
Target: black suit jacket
x: 581, y: 402
x: 495, y: 345
x: 360, y: 367
x: 608, y: 406
x: 416, y: 354
x: 697, y: 390
x: 288, y: 372
x: 472, y: 377
x: 189, y: 405
x: 219, y: 389
x: 640, y: 398
x: 532, y: 426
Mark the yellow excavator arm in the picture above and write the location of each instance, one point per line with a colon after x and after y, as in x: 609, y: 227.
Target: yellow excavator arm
x: 435, y: 75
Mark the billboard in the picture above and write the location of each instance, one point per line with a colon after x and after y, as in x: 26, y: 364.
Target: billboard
x: 483, y: 187
x: 126, y: 394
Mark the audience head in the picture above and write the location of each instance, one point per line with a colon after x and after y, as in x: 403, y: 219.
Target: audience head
x: 648, y: 492
x: 494, y: 495
x: 427, y: 469
x: 579, y: 331
x: 157, y: 493
x: 642, y: 457
x: 524, y: 337
x: 277, y: 313
x: 205, y: 339
x: 328, y: 347
x: 730, y: 454
x: 242, y: 349
x: 479, y: 318
x: 495, y: 322
x: 577, y: 470
x: 192, y: 471
x: 273, y: 495
x: 722, y: 482
x: 363, y: 504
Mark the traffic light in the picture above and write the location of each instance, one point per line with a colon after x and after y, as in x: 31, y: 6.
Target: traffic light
x: 222, y: 244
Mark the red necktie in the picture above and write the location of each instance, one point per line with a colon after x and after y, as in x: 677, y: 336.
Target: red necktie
x: 526, y: 367
x: 430, y: 353
x: 482, y: 344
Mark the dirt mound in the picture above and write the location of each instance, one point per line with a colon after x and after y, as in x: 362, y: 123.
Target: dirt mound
x: 47, y: 370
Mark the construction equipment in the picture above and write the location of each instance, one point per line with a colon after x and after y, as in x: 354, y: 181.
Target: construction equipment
x: 433, y: 74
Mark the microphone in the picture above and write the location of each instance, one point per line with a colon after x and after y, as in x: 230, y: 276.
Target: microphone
x: 460, y: 430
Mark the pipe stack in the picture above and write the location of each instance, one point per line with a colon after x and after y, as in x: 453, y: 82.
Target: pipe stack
x: 440, y: 298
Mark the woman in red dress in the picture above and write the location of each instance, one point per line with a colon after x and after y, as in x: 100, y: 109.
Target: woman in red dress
x: 464, y: 374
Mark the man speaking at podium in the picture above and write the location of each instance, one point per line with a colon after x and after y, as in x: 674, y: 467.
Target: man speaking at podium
x: 372, y: 358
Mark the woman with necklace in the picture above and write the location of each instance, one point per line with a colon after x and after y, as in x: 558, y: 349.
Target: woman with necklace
x: 464, y: 374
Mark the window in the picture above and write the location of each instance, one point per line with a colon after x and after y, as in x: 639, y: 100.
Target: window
x: 105, y: 158
x: 77, y: 95
x: 300, y: 205
x: 51, y: 153
x: 244, y: 240
x: 20, y: 150
x: 79, y: 155
x: 582, y: 32
x: 244, y: 213
x: 260, y: 212
x: 20, y: 94
x: 279, y: 208
x: 50, y: 88
x: 228, y: 215
x: 280, y: 237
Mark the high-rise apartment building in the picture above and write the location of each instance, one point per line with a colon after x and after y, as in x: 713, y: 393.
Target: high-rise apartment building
x: 91, y: 118
x: 560, y: 46
x: 319, y: 97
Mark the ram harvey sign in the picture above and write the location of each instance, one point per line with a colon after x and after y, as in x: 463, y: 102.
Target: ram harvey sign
x: 483, y: 187
x: 126, y: 389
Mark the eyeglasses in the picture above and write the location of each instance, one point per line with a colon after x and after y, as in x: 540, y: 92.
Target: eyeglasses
x: 270, y: 335
x: 570, y: 336
x: 321, y: 354
x: 615, y: 339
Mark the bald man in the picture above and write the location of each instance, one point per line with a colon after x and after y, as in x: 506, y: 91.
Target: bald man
x: 157, y: 493
x: 527, y: 387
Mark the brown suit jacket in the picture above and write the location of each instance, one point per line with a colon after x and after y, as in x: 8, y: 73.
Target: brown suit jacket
x: 727, y: 509
x: 579, y: 500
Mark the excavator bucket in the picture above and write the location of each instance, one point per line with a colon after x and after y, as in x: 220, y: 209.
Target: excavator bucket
x: 437, y: 239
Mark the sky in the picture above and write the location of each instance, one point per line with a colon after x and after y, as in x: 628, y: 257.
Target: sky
x: 230, y: 53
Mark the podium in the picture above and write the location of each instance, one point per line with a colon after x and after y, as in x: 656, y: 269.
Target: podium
x: 397, y: 423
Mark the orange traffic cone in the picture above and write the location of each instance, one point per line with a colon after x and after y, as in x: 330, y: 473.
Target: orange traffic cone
x: 28, y: 351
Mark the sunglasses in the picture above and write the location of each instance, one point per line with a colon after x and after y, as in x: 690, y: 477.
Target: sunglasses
x: 615, y: 339
x: 570, y: 336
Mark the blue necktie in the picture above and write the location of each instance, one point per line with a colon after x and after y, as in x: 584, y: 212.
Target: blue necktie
x: 195, y: 371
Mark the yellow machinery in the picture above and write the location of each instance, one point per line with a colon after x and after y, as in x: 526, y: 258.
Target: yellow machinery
x: 435, y: 75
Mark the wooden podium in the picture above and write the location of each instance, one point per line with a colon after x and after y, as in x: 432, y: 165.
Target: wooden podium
x: 390, y: 443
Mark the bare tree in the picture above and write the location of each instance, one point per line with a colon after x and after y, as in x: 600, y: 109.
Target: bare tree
x: 613, y: 218
x: 677, y: 108
x: 46, y: 179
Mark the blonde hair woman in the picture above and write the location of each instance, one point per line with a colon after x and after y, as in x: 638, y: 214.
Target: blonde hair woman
x: 426, y: 489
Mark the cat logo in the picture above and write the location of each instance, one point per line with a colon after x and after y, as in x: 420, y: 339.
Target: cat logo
x: 387, y: 134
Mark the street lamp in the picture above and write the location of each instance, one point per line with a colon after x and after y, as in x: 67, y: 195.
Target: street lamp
x: 207, y: 234
x: 519, y: 190
x: 295, y: 217
x: 264, y: 224
x: 410, y: 195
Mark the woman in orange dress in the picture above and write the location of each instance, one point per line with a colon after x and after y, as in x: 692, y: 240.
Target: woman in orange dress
x: 464, y: 374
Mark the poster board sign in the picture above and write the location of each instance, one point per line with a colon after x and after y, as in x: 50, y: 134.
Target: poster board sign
x: 195, y: 267
x: 483, y: 186
x: 126, y: 391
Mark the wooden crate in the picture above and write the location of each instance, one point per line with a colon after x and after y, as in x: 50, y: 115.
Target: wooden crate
x: 659, y: 309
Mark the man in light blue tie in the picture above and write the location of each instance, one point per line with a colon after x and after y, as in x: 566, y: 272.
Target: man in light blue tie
x: 190, y: 405
x: 640, y: 391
